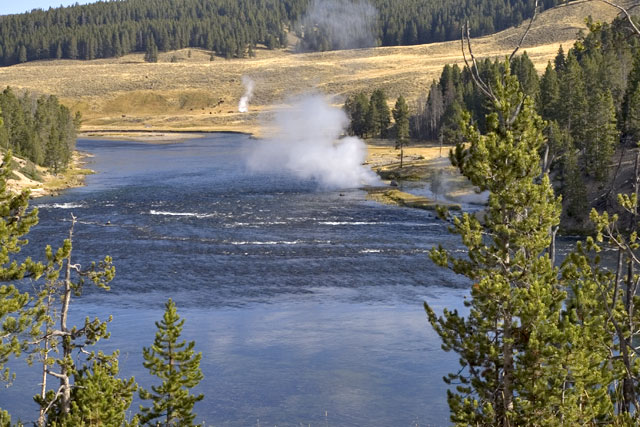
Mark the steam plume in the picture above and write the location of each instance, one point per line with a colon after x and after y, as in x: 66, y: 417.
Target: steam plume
x: 248, y: 84
x: 307, y: 145
x: 343, y: 24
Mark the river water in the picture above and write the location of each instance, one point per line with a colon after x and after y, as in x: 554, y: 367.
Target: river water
x: 306, y: 303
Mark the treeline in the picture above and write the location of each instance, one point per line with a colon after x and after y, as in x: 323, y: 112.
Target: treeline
x: 116, y: 28
x: 231, y: 27
x: 590, y: 97
x: 409, y: 22
x: 39, y: 129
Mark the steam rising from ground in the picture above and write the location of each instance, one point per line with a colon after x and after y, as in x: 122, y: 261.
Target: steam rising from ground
x: 248, y: 84
x: 345, y: 24
x: 307, y: 145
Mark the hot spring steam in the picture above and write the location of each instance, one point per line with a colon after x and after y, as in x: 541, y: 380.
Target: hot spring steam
x: 243, y: 105
x: 308, y: 145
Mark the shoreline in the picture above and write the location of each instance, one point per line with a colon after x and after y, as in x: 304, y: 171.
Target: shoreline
x: 51, y: 184
x: 421, y: 159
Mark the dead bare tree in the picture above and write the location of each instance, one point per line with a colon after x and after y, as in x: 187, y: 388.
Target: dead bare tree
x: 63, y: 280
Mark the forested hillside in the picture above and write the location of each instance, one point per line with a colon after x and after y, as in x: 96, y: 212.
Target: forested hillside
x: 590, y: 97
x: 232, y: 27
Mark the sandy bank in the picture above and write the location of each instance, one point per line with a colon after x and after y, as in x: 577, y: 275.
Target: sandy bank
x: 48, y: 183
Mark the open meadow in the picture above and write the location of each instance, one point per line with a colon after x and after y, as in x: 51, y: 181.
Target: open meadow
x: 186, y: 91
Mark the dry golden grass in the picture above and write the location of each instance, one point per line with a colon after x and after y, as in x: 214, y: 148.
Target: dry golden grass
x: 195, y: 93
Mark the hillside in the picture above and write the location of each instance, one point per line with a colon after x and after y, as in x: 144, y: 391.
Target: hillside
x: 194, y: 93
x: 233, y: 28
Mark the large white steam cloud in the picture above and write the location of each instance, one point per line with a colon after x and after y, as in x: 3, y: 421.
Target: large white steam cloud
x: 308, y: 145
x: 348, y: 24
x: 243, y: 105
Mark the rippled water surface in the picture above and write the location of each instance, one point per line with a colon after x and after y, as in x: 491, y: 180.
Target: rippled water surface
x: 306, y: 304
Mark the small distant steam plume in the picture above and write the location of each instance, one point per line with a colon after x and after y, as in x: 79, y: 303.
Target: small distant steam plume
x: 308, y: 145
x: 339, y: 24
x: 248, y: 84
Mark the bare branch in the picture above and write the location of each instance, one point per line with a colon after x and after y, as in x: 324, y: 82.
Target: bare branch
x: 475, y: 74
x: 625, y: 12
x: 533, y: 18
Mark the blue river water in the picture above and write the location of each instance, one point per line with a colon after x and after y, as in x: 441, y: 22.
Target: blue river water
x: 305, y: 303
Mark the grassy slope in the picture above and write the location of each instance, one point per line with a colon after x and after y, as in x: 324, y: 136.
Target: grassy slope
x: 197, y: 94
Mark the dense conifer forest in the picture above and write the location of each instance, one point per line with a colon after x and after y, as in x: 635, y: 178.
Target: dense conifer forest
x: 231, y: 28
x: 38, y: 128
x: 590, y: 97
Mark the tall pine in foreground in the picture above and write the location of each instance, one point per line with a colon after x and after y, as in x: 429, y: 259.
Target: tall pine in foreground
x: 508, y: 372
x: 177, y: 365
x: 18, y: 322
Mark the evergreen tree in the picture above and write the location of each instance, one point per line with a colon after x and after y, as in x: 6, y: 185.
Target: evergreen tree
x: 401, y: 117
x: 176, y: 364
x: 151, y: 54
x: 549, y: 94
x: 601, y: 135
x: 16, y: 318
x: 574, y: 189
x: 371, y: 124
x: 574, y: 107
x: 98, y: 397
x: 631, y: 104
x: 509, y: 361
x: 560, y: 60
x: 22, y: 54
x: 382, y: 116
x: 72, y: 52
x: 357, y: 108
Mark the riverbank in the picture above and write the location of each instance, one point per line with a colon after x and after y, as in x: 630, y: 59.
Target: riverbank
x: 141, y: 136
x: 41, y: 182
x: 426, y: 178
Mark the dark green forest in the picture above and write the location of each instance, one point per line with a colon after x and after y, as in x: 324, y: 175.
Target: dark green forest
x: 590, y: 97
x: 39, y: 129
x: 232, y: 28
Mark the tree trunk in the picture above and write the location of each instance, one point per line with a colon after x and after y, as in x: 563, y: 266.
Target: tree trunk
x: 507, y: 373
x: 67, y: 348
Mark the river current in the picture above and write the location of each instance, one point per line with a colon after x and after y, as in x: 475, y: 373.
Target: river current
x: 305, y: 303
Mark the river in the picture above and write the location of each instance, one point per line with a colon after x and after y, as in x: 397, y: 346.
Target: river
x: 306, y: 303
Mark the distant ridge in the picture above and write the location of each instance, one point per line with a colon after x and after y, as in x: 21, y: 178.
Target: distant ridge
x: 234, y: 28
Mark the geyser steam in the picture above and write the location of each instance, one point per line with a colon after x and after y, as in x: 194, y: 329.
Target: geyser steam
x: 308, y: 145
x: 344, y: 24
x: 248, y: 84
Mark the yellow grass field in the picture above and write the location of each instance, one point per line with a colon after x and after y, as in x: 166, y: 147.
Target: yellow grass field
x: 196, y: 94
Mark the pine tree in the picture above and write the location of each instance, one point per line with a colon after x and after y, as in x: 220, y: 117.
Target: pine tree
x: 176, y: 364
x: 72, y: 50
x: 549, y: 94
x: 574, y: 107
x: 22, y: 54
x: 631, y: 104
x: 382, y: 116
x: 560, y: 60
x: 357, y: 108
x: 574, y: 189
x: 151, y: 53
x: 601, y: 135
x: 509, y: 364
x: 18, y: 322
x: 98, y: 397
x: 401, y: 117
